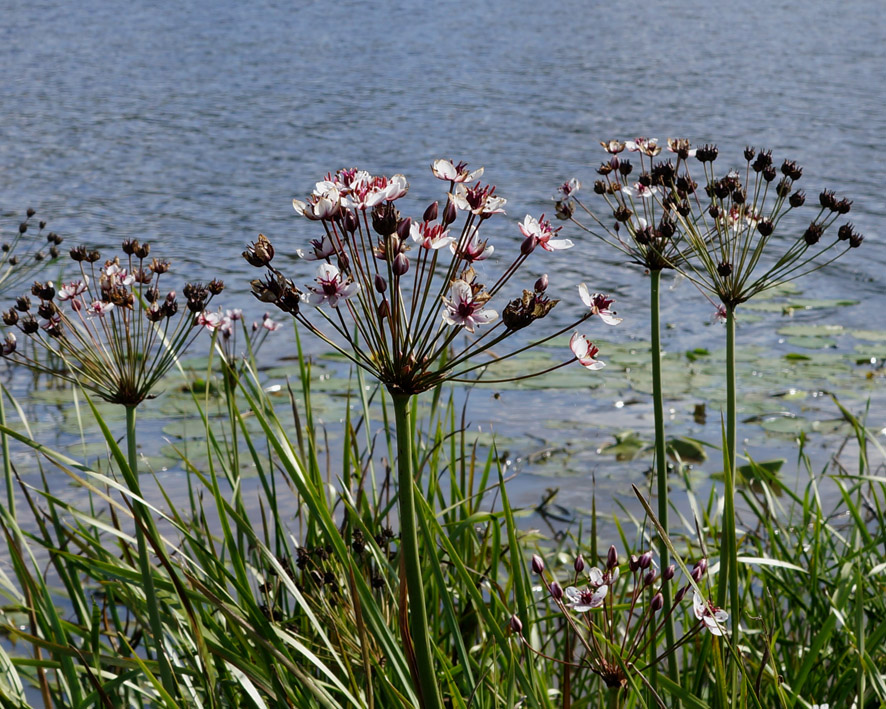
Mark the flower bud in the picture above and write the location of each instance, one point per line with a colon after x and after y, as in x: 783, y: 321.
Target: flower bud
x: 634, y: 563
x: 646, y: 560
x: 384, y: 310
x: 537, y: 565
x: 669, y: 572
x: 578, y: 564
x: 556, y: 591
x: 403, y: 227
x: 516, y: 625
x: 381, y: 285
x: 400, y: 265
x: 22, y: 228
x: 724, y: 268
x: 350, y: 222
x: 528, y: 245
x: 344, y: 263
x: 541, y: 285
x: 681, y: 594
x: 657, y: 602
x: 449, y: 213
x: 31, y: 212
x: 430, y: 214
x: 612, y: 557
x: 649, y: 578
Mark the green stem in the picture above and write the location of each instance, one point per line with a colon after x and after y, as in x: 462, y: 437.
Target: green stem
x: 426, y: 679
x: 661, y: 462
x: 612, y: 702
x: 7, y: 463
x: 728, y: 549
x: 142, y: 514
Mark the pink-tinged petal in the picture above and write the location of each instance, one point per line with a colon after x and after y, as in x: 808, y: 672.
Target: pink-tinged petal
x: 444, y: 170
x: 608, y: 318
x: 556, y: 244
x: 584, y: 351
x: 585, y: 295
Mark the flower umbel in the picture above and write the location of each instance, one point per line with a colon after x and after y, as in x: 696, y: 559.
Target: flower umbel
x: 407, y: 285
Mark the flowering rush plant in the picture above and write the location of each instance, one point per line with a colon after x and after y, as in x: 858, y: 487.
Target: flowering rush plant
x: 26, y: 251
x: 113, y: 327
x: 393, y: 293
x: 619, y: 611
x: 733, y: 232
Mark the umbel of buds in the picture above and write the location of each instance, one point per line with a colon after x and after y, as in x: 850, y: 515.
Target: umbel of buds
x: 626, y: 606
x: 409, y: 286
x: 24, y: 252
x: 114, y: 328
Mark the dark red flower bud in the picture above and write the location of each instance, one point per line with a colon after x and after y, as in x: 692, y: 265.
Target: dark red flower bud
x: 400, y: 265
x: 515, y: 623
x: 541, y: 285
x: 449, y: 213
x: 612, y: 557
x: 578, y: 564
x: 350, y: 222
x: 537, y: 564
x: 556, y: 591
x: 403, y: 227
x: 430, y: 214
x: 669, y: 572
x: 681, y: 594
x: 528, y: 245
x: 649, y: 578
x: 645, y: 560
x: 657, y: 602
x: 381, y: 285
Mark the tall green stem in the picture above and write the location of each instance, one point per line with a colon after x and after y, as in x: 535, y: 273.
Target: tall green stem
x: 7, y: 463
x: 142, y: 514
x: 661, y: 463
x: 426, y: 679
x: 728, y: 548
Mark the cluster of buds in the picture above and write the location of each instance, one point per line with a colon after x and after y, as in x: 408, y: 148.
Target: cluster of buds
x: 618, y: 611
x: 113, y: 327
x: 410, y: 287
x: 24, y: 252
x: 719, y: 236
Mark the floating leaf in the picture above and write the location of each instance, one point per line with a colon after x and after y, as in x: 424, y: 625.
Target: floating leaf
x: 686, y: 449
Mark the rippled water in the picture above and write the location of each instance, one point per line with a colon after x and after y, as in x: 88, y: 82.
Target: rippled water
x: 192, y: 126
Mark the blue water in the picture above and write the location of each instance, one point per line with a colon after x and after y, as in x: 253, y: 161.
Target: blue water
x: 193, y: 125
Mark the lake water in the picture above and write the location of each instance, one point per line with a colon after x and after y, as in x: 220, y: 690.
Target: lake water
x: 193, y: 125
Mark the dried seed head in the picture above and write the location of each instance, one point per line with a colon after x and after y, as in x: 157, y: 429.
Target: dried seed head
x: 749, y: 153
x: 707, y: 153
x: 797, y: 199
x: 724, y: 268
x: 828, y: 200
x: 625, y: 168
x: 10, y: 317
x: 22, y: 228
x: 765, y: 227
x: 31, y: 212
x: 129, y: 246
x: 764, y: 160
x: 23, y: 303
x: 813, y: 233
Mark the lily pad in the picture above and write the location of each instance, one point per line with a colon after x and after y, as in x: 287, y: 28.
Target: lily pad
x: 804, y: 330
x: 812, y: 343
x: 870, y: 335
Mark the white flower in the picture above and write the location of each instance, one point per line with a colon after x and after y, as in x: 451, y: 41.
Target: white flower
x: 464, y: 308
x: 714, y: 618
x: 446, y: 170
x: 100, y: 308
x: 583, y: 600
x: 640, y: 191
x: 567, y: 190
x: 73, y: 289
x: 332, y: 288
x: 585, y: 350
x: 541, y: 229
x: 599, y: 305
x: 473, y: 249
x: 321, y: 249
x: 647, y: 146
x: 211, y: 321
x: 430, y: 236
x: 477, y: 199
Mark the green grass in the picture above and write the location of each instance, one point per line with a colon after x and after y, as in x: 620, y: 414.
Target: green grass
x: 276, y: 579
